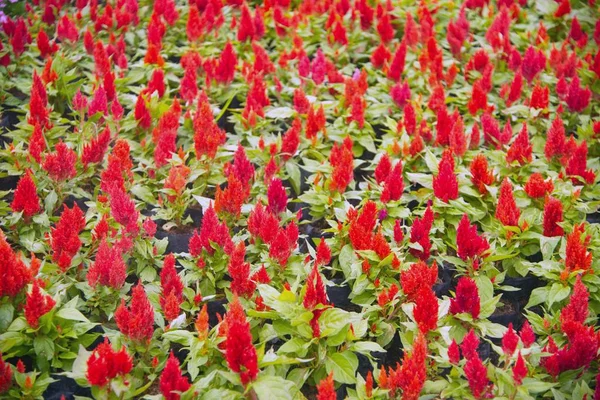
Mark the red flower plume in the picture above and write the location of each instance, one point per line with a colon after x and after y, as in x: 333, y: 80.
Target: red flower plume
x: 239, y: 350
x: 105, y: 364
x: 445, y: 183
x: 25, y: 198
x: 15, y: 275
x: 468, y: 242
x: 467, y: 298
x: 172, y: 380
x: 36, y: 305
x: 137, y: 321
x: 507, y: 211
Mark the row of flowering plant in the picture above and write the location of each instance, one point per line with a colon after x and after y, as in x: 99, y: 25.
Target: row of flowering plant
x: 361, y: 199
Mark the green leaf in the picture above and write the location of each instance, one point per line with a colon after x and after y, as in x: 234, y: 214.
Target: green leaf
x: 343, y: 365
x: 558, y: 293
x: 270, y: 387
x: 279, y: 113
x: 536, y: 386
x: 44, y: 347
x: 71, y: 314
x: 294, y: 173
x: 538, y: 296
x: 547, y: 246
x: 143, y: 193
x: 50, y: 201
x: 7, y: 312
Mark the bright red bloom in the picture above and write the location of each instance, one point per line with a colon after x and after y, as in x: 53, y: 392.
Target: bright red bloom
x: 119, y: 165
x: 556, y: 141
x: 99, y: 103
x: 393, y: 185
x: 25, y: 197
x: 534, y: 61
x: 457, y: 138
x: 507, y: 211
x: 521, y: 149
x: 381, y: 55
x: 445, y: 183
x: 476, y: 374
x: 239, y: 271
x: 36, y: 305
x: 231, y: 198
x: 315, y: 295
x: 171, y: 295
x: 177, y: 181
x: 469, y: 345
x: 453, y: 353
x: 397, y: 65
x: 66, y: 30
x: 383, y: 169
x: 577, y: 98
x: 419, y: 233
x: 553, y: 214
x: 37, y: 144
x: 5, y: 376
x: 208, y: 136
x: 105, y: 364
x: 212, y: 231
x: 156, y: 83
x: 194, y: 24
x: 291, y: 140
x: 60, y: 165
x: 576, y: 34
x: 457, y: 33
x: 510, y: 340
x: 342, y: 161
x: 93, y: 152
x: 284, y: 243
x: 276, y: 196
x: 492, y: 133
x: 417, y: 276
x: 411, y: 375
x: 142, y: 114
x: 527, y: 335
x: 519, y: 370
x: 109, y: 269
x: 263, y: 224
x: 577, y: 256
x: 189, y: 86
x: 45, y: 47
x: 326, y: 389
x: 172, y: 380
x: 362, y: 225
x: 384, y: 27
x: 468, y: 242
x: 539, y: 97
x: 301, y: 103
x: 239, y: 350
x: 13, y: 270
x: 536, y: 187
x: 478, y: 99
x: 323, y: 253
x: 576, y: 166
x: 426, y: 310
x: 315, y: 123
x: 122, y: 209
x: 65, y: 236
x: 466, y: 299
x: 400, y: 93
x: 38, y: 102
x: 137, y: 321
x: 165, y: 134
x: 480, y: 174
x: 576, y: 312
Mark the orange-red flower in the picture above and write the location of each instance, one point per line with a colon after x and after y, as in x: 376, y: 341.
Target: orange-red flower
x: 36, y: 305
x: 105, y: 364
x: 239, y: 350
x: 137, y: 321
x: 25, y: 198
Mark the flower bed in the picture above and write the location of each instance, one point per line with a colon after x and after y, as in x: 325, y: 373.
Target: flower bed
x: 309, y: 199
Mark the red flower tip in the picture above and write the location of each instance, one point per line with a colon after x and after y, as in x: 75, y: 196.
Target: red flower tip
x: 466, y: 299
x: 172, y: 382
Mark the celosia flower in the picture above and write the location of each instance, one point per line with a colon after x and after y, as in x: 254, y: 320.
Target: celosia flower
x: 527, y: 335
x: 231, y: 198
x: 171, y: 295
x: 383, y: 169
x: 64, y: 237
x: 36, y: 305
x: 208, y: 136
x: 15, y: 275
x: 263, y: 224
x: 315, y: 122
x: 519, y: 370
x: 45, y: 47
x: 419, y: 233
x: 361, y: 226
x: 142, y: 114
x: 520, y: 150
x: 323, y: 253
x: 458, y: 139
x: 577, y: 98
x: 239, y: 271
x: 176, y: 181
x: 397, y: 65
x: 172, y: 382
x: 25, y: 198
x: 105, y: 364
x: 277, y: 196
x: 119, y: 167
x: 469, y: 244
x: 534, y: 61
x: 5, y: 376
x: 38, y: 101
x: 242, y: 168
x: 137, y: 321
x: 239, y: 350
x: 99, y: 103
x: 156, y: 83
x: 326, y: 388
x: 189, y: 85
x: 411, y: 375
x: 577, y: 256
x: 510, y: 340
x: 93, y: 152
x: 507, y: 211
x: 556, y: 141
x: 165, y: 134
x: 315, y: 295
x: 492, y: 133
x: 576, y: 312
x: 122, y: 209
x: 284, y: 242
x: 426, y: 310
x: 553, y: 215
x: 445, y: 183
x: 466, y: 299
x: 476, y: 374
x: 342, y: 161
x: 576, y: 166
x: 60, y: 165
x: 417, y: 276
x: 536, y: 187
x: 291, y: 140
x: 453, y: 352
x: 211, y: 231
x: 469, y: 345
x: 478, y: 99
x: 37, y: 144
x: 394, y: 185
x: 539, y: 97
x: 109, y: 269
x: 201, y: 323
x: 480, y: 175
